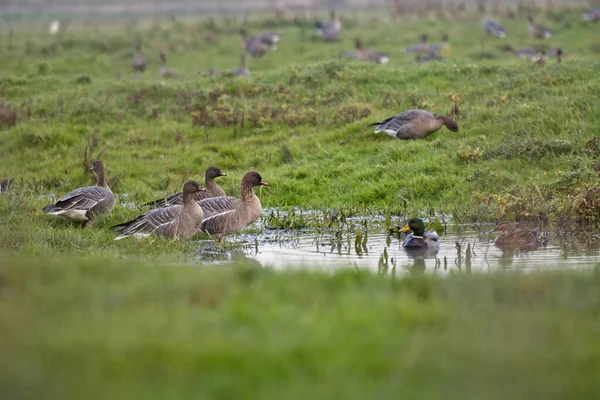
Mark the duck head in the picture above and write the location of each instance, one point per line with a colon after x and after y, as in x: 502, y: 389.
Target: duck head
x: 503, y: 226
x: 416, y: 225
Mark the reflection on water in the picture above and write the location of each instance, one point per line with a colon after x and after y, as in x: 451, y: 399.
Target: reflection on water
x: 375, y: 249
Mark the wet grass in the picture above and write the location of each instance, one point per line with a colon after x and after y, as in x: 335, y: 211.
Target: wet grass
x: 98, y: 328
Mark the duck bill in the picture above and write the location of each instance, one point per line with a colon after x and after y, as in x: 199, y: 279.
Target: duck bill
x: 263, y: 183
x: 405, y: 229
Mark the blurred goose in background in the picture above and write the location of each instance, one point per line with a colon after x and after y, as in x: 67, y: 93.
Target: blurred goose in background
x: 538, y: 31
x: 329, y: 30
x: 258, y: 45
x: 225, y: 215
x: 431, y: 56
x: 414, y: 124
x: 242, y: 71
x: 442, y: 48
x: 420, y: 239
x: 527, y: 52
x: 212, y: 190
x: 139, y: 62
x: 493, y: 28
x: 371, y: 55
x: 269, y: 38
x: 180, y: 221
x: 593, y: 14
x: 514, y: 236
x: 422, y: 47
x: 84, y: 204
x: 164, y: 72
x: 5, y: 185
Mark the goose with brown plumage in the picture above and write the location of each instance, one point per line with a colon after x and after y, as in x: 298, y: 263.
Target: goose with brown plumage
x: 414, y: 124
x: 5, y: 185
x: 86, y: 203
x: 212, y: 190
x: 179, y: 221
x: 538, y: 31
x: 226, y: 215
x: 139, y: 62
x: 368, y: 55
x: 329, y: 30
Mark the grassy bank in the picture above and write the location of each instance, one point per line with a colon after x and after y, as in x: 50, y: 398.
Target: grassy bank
x: 83, y: 328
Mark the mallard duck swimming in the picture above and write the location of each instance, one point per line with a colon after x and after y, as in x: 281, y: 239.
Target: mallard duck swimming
x: 84, y: 204
x: 493, y: 28
x: 538, y: 31
x: 414, y: 124
x: 420, y: 239
x: 514, y: 236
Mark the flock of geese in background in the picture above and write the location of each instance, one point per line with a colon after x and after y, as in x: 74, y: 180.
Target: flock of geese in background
x: 258, y: 45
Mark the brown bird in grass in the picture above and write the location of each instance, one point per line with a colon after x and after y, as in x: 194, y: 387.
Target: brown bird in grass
x: 515, y: 236
x: 329, y: 30
x: 5, y: 184
x: 538, y: 31
x: 370, y: 55
x: 139, y: 62
x: 164, y: 72
x: 258, y: 45
x: 414, y: 124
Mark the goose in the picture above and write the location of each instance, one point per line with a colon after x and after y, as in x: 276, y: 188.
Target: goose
x: 538, y: 31
x: 138, y: 62
x: 420, y: 239
x: 556, y: 53
x: 212, y: 190
x: 443, y: 47
x: 179, y: 221
x: 371, y: 55
x: 593, y: 14
x: 422, y: 47
x: 329, y: 30
x: 84, y: 204
x: 164, y: 72
x: 243, y: 71
x: 269, y: 38
x: 414, y: 124
x: 493, y: 28
x: 225, y: 215
x: 514, y: 236
x: 5, y: 185
x: 256, y: 46
x: 431, y: 56
x: 528, y: 53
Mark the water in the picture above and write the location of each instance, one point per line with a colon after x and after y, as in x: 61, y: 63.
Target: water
x: 467, y: 250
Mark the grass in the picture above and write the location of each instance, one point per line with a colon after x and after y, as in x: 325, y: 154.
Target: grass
x: 98, y: 328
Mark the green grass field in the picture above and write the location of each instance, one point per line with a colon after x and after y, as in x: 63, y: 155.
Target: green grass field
x: 83, y: 316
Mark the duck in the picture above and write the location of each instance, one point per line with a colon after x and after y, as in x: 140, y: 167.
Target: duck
x: 493, y: 28
x: 538, y: 31
x: 371, y: 55
x: 86, y: 203
x: 593, y: 14
x: 226, y: 215
x: 514, y: 236
x: 5, y: 184
x: 164, y: 72
x: 178, y: 221
x: 139, y: 62
x: 329, y: 30
x: 258, y: 45
x: 420, y: 239
x: 422, y: 47
x: 414, y: 124
x: 242, y: 71
x: 212, y: 190
x: 443, y: 47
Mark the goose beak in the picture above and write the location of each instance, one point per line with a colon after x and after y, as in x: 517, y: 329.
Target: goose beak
x: 405, y: 229
x: 222, y: 174
x: 263, y: 183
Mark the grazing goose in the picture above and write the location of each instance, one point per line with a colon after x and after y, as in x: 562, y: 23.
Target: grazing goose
x: 329, y: 30
x: 420, y: 239
x: 5, y: 185
x: 269, y: 38
x: 443, y: 47
x: 432, y: 56
x: 164, y: 72
x: 138, y: 62
x: 493, y: 28
x: 84, y: 204
x: 538, y: 31
x: 556, y: 53
x: 414, y: 124
x: 514, y: 236
x: 225, y: 215
x: 593, y: 14
x: 212, y: 190
x: 180, y: 221
x: 528, y: 53
x: 242, y: 71
x: 254, y: 46
x: 422, y: 47
x: 371, y: 55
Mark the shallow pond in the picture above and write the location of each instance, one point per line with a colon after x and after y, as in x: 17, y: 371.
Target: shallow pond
x: 462, y: 249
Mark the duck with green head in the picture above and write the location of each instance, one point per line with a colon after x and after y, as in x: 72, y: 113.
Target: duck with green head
x: 420, y: 239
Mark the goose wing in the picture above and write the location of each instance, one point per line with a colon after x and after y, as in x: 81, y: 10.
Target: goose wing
x: 396, y: 122
x: 83, y: 198
x: 218, y: 205
x: 159, y: 220
x: 177, y: 199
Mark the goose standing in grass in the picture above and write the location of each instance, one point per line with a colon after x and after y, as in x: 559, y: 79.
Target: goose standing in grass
x: 180, y: 221
x: 84, y: 204
x: 164, y: 72
x: 528, y: 53
x: 593, y: 14
x: 442, y: 48
x: 242, y: 71
x: 329, y: 30
x: 5, y: 185
x: 258, y: 45
x: 514, y: 236
x: 538, y: 31
x: 420, y: 239
x: 371, y: 55
x: 422, y: 47
x: 212, y: 190
x: 225, y: 215
x: 493, y: 28
x: 139, y: 62
x: 414, y: 124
